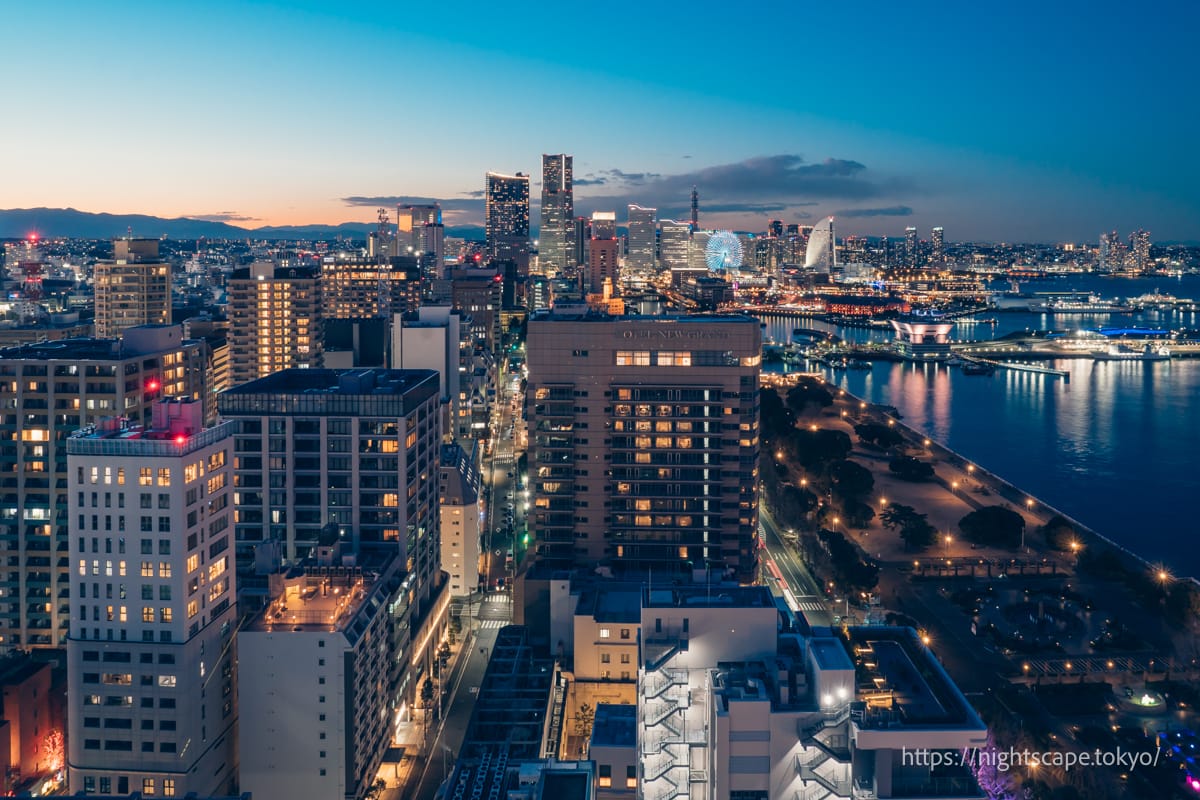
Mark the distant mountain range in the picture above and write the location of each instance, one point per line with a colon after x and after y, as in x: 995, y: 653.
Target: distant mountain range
x: 17, y: 223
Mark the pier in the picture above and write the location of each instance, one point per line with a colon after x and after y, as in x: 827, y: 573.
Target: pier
x: 1059, y: 373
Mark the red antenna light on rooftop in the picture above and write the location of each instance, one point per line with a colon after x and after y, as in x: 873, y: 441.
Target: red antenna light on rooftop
x: 153, y: 385
x: 33, y: 237
x: 181, y: 440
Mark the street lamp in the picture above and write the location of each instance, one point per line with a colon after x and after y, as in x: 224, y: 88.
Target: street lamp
x: 954, y: 485
x: 948, y: 540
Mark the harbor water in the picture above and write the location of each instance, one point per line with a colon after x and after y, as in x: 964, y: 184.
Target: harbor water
x: 1115, y: 446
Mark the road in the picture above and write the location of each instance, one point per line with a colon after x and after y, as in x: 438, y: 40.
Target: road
x: 799, y: 581
x: 452, y: 729
x: 505, y: 495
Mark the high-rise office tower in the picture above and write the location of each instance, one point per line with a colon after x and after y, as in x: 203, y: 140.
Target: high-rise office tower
x: 558, y: 212
x: 1139, y: 250
x: 274, y: 320
x: 937, y: 247
x: 132, y: 288
x: 643, y: 235
x: 581, y: 233
x: 912, y: 245
x: 353, y: 287
x: 695, y: 209
x: 1112, y: 252
x: 150, y: 657
x: 821, y: 252
x: 674, y: 241
x: 645, y: 440
x: 506, y: 222
x: 775, y: 229
x: 352, y: 451
x: 603, y: 251
x: 420, y: 228
x: 60, y: 387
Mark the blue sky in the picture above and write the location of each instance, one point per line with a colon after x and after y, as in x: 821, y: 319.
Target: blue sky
x: 1014, y: 121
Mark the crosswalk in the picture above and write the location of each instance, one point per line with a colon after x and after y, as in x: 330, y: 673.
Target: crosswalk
x: 491, y: 624
x: 809, y: 605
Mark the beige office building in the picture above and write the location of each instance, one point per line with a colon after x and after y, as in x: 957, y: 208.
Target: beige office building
x: 274, y: 321
x: 132, y: 288
x: 645, y: 440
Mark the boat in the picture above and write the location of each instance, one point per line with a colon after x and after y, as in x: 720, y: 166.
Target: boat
x: 858, y: 363
x: 1122, y: 353
x: 1079, y: 304
x: 978, y: 368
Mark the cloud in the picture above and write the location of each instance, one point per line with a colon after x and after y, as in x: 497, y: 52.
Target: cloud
x: 223, y: 216
x: 774, y: 184
x: 888, y: 211
x: 590, y: 180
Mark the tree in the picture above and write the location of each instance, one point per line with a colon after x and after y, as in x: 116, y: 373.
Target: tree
x: 851, y: 480
x: 915, y: 530
x: 1058, y: 533
x: 584, y: 718
x: 376, y: 790
x: 857, y: 513
x: 883, y: 436
x: 776, y: 417
x: 994, y: 526
x: 808, y: 393
x: 814, y: 449
x: 427, y: 693
x: 794, y: 504
x: 911, y: 469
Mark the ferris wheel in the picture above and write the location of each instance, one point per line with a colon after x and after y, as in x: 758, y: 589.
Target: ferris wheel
x: 723, y: 253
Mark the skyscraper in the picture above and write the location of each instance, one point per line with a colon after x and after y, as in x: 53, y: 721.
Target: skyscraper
x: 1139, y: 249
x: 353, y: 451
x: 151, y: 652
x: 911, y: 248
x: 603, y: 252
x: 132, y: 288
x: 674, y: 241
x: 63, y: 386
x: 274, y: 320
x: 558, y: 212
x: 695, y: 209
x: 642, y: 237
x: 630, y: 421
x: 821, y: 252
x: 1112, y: 252
x: 420, y: 233
x: 937, y: 253
x: 506, y: 222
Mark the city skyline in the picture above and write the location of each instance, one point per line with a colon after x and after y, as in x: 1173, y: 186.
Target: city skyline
x: 237, y: 122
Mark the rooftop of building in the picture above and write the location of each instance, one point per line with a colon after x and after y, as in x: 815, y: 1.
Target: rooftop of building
x: 902, y: 683
x: 619, y: 602
x: 138, y: 340
x: 584, y: 313
x: 715, y: 596
x: 829, y: 653
x: 19, y: 668
x: 615, y: 725
x: 335, y: 594
x: 371, y: 391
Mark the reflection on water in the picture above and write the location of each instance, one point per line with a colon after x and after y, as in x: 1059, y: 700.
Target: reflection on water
x: 1113, y: 447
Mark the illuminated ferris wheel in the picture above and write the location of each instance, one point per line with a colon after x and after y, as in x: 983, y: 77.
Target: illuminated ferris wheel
x: 723, y: 252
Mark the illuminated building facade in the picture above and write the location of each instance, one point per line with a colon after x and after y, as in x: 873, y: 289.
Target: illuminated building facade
x: 354, y: 288
x: 132, y: 288
x: 150, y: 657
x: 506, y: 219
x: 274, y: 320
x: 645, y: 440
x: 643, y: 235
x: 558, y: 213
x: 51, y: 389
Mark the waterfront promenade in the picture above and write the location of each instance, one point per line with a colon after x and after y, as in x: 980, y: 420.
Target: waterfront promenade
x: 924, y: 585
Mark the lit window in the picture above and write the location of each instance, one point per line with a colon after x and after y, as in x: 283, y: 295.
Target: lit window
x: 147, y: 786
x: 164, y: 476
x: 145, y: 477
x: 605, y: 633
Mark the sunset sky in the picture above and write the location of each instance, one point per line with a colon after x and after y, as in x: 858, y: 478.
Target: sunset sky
x: 1018, y: 121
